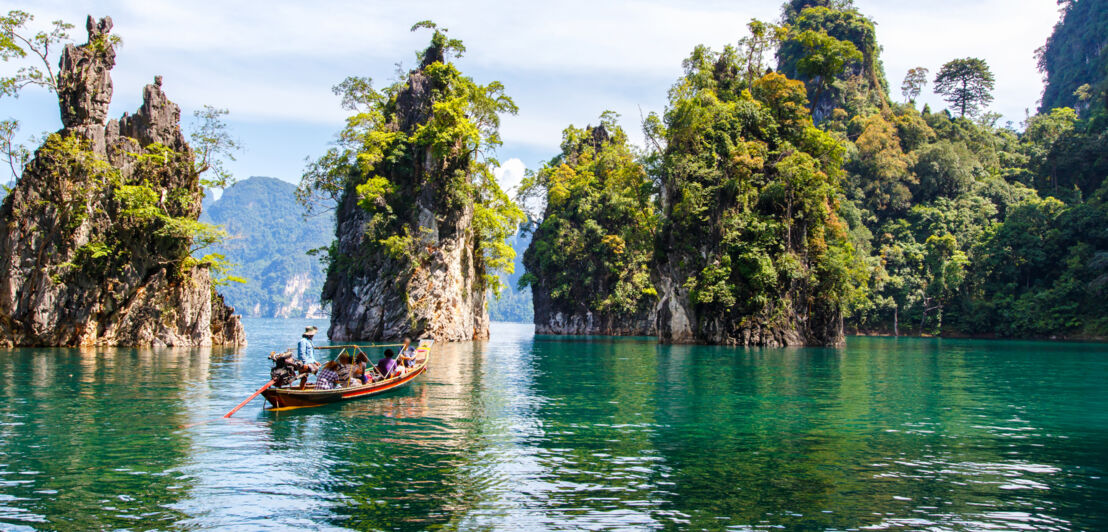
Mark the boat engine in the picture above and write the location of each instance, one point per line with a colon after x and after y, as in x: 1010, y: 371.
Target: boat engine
x: 285, y: 368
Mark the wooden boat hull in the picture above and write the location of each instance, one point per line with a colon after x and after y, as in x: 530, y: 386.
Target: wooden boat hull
x: 281, y: 398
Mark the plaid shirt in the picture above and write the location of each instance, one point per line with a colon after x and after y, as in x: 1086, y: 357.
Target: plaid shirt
x: 325, y: 379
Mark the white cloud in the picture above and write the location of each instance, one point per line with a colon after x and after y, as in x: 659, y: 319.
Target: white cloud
x: 1002, y: 32
x: 509, y: 174
x: 564, y: 62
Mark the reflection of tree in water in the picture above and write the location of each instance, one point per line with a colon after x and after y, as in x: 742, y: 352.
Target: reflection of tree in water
x: 90, y: 437
x: 879, y: 434
x: 599, y: 461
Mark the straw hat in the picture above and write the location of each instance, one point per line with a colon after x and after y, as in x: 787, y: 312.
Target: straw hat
x: 311, y: 329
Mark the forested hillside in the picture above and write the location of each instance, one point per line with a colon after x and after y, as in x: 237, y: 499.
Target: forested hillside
x: 514, y: 303
x: 268, y: 243
x: 1075, y: 58
x: 905, y: 220
x: 974, y: 229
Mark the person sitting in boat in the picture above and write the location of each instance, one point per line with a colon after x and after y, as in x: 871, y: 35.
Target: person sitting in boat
x: 358, y: 370
x: 344, y: 371
x: 387, y: 366
x: 327, y: 377
x: 407, y: 353
x: 305, y: 354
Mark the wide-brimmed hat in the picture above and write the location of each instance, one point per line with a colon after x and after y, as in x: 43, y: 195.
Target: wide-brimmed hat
x: 311, y: 329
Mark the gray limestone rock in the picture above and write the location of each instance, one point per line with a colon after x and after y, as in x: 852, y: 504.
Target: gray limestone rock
x: 374, y: 296
x: 78, y: 267
x: 84, y: 77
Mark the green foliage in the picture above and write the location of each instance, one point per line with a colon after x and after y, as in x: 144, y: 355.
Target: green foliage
x: 496, y: 218
x: 752, y: 193
x: 958, y: 242
x: 1038, y: 270
x: 833, y: 49
x: 880, y: 167
x: 943, y: 169
x: 914, y: 82
x: 1073, y: 60
x: 429, y: 136
x: 824, y: 57
x: 591, y: 252
x: 966, y: 84
x: 212, y: 145
x: 17, y: 43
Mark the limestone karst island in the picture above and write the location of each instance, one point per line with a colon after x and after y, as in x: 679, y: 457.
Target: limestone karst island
x: 816, y: 265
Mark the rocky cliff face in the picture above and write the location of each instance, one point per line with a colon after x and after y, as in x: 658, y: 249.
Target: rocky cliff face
x: 96, y: 235
x: 433, y: 287
x: 549, y: 319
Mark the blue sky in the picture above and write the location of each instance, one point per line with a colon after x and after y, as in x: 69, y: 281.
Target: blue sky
x: 272, y: 63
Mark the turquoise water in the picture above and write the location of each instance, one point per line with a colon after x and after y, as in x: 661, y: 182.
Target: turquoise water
x: 526, y: 432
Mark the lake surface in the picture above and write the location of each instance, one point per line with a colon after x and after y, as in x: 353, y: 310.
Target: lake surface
x: 527, y: 433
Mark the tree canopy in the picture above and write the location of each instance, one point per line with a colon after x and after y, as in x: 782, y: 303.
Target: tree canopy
x: 966, y: 84
x: 914, y: 82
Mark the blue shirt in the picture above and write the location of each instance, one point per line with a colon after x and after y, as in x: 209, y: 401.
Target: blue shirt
x: 305, y: 351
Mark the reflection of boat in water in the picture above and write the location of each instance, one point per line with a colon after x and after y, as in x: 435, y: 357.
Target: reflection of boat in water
x: 282, y: 398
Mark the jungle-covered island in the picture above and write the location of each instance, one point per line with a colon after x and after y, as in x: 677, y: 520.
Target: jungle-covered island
x: 786, y: 196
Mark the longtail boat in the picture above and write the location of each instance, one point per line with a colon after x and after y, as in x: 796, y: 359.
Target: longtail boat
x: 293, y: 397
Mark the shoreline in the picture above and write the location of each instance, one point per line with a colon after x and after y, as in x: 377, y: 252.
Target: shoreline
x: 984, y: 336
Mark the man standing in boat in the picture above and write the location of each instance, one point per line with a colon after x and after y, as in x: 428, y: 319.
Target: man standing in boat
x: 305, y: 354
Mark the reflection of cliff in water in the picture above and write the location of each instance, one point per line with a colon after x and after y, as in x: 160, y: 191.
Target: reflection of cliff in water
x: 91, y: 428
x: 755, y: 434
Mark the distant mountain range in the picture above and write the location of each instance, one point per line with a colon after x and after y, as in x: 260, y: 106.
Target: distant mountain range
x: 269, y: 241
x: 514, y: 305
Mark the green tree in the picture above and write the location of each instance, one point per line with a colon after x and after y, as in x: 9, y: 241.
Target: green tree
x: 593, y: 248
x: 763, y: 38
x: 945, y: 271
x: 212, y: 145
x: 824, y: 58
x: 914, y: 82
x: 943, y: 169
x: 966, y: 83
x: 17, y: 42
x: 881, y: 168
